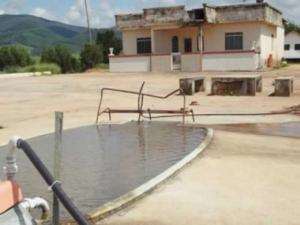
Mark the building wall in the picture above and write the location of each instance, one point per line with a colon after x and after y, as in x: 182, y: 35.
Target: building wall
x: 129, y: 64
x: 129, y: 40
x: 191, y: 63
x: 214, y: 35
x: 156, y: 63
x: 292, y: 39
x: 163, y: 39
x: 264, y: 38
x: 161, y: 63
x: 231, y: 62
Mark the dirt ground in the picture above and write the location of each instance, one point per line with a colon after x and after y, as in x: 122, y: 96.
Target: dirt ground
x: 241, y: 179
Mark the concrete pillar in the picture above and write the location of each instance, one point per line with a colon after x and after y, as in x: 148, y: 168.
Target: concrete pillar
x: 153, y: 41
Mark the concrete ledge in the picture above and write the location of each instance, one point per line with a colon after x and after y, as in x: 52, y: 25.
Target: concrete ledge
x: 129, y: 198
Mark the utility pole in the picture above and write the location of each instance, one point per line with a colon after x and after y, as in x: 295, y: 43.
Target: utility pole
x: 88, y: 20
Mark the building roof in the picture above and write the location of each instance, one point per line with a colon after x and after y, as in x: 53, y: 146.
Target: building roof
x: 178, y: 15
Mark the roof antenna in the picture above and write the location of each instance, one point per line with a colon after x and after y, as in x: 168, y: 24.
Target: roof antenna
x: 88, y: 20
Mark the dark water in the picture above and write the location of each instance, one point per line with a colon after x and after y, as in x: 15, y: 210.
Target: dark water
x: 101, y: 164
x: 291, y: 129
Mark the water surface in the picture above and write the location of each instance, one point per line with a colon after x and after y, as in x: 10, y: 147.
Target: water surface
x: 102, y: 163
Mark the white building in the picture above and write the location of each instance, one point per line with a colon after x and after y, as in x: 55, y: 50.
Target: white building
x: 292, y: 45
x: 234, y: 37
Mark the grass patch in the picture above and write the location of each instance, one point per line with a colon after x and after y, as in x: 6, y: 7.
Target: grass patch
x: 102, y: 66
x: 282, y: 65
x: 40, y: 67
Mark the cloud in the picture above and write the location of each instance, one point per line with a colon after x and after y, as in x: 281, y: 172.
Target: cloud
x: 41, y: 12
x: 13, y: 6
x: 76, y: 14
x: 290, y: 8
x: 102, y: 12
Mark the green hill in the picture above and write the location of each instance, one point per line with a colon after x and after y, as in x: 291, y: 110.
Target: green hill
x: 37, y: 33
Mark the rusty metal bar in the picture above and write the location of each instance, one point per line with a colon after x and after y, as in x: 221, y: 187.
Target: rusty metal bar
x: 140, y: 100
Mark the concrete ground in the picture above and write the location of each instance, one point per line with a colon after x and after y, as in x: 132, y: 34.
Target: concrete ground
x: 241, y: 178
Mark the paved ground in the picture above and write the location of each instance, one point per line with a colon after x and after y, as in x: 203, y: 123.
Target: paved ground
x: 241, y: 179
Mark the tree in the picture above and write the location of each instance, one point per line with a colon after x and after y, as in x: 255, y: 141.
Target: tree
x: 14, y: 56
x: 62, y: 56
x: 290, y: 26
x: 90, y: 56
x: 108, y: 39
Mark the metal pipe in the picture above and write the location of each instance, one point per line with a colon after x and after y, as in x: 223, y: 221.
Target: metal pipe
x: 134, y: 93
x: 53, y: 184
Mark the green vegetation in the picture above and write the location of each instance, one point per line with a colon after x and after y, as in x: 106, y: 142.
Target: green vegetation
x: 37, y: 33
x: 14, y: 56
x: 61, y: 56
x: 90, y: 56
x: 102, y: 66
x: 39, y: 67
x: 106, y: 40
x: 290, y: 27
x: 33, y: 44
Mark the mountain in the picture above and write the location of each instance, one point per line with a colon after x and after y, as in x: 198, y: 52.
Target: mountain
x: 37, y: 33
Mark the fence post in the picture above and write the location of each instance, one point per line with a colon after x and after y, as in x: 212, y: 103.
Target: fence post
x: 59, y: 116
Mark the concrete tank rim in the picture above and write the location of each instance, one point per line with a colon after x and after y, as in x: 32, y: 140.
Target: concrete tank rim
x: 146, y: 188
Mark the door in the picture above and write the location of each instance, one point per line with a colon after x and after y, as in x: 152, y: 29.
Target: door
x: 175, y: 55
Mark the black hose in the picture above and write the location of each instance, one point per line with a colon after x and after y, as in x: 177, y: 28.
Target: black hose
x: 56, y: 187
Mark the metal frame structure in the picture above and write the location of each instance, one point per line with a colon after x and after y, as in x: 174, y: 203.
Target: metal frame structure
x: 140, y: 111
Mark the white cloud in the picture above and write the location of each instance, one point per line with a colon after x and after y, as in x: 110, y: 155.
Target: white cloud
x: 41, y: 12
x: 102, y: 12
x: 13, y: 6
x: 1, y: 12
x: 76, y: 14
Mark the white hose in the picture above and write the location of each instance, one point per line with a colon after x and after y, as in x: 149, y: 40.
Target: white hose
x: 37, y: 203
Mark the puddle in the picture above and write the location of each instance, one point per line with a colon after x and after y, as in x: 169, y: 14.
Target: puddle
x: 99, y: 165
x: 291, y: 129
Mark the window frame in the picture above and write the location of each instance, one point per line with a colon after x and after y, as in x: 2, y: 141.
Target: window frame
x: 235, y: 36
x: 143, y: 45
x: 297, y: 47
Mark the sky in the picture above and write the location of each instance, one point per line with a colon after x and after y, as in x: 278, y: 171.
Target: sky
x: 102, y: 11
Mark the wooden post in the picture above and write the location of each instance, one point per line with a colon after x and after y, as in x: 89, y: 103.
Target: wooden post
x: 59, y: 116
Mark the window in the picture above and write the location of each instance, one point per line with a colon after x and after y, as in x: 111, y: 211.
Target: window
x: 286, y: 47
x: 188, y: 45
x: 175, y: 47
x: 234, y: 41
x: 272, y: 43
x: 297, y: 47
x: 143, y: 45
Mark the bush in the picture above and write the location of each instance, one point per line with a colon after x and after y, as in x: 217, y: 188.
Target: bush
x: 14, y: 56
x: 108, y: 39
x: 61, y: 56
x: 90, y: 56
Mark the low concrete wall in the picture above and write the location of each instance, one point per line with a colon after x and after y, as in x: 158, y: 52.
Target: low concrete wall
x: 156, y: 63
x: 129, y: 64
x: 161, y: 63
x: 191, y: 63
x: 248, y: 61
